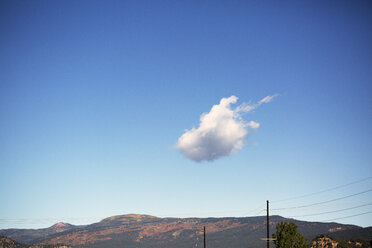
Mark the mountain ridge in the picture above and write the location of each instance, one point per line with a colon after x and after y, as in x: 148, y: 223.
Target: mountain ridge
x: 136, y: 230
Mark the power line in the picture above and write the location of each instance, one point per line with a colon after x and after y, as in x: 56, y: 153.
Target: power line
x: 326, y: 190
x: 329, y: 212
x: 257, y: 209
x: 32, y: 221
x: 263, y: 210
x: 323, y: 202
x: 349, y: 216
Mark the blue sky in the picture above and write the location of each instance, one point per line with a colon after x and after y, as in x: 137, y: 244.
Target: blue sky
x: 95, y: 95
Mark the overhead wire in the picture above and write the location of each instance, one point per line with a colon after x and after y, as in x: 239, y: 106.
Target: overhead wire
x: 260, y: 212
x: 323, y: 202
x: 328, y: 201
x: 334, y: 211
x: 259, y: 208
x: 345, y: 217
x: 48, y: 220
x: 323, y: 191
x: 32, y: 221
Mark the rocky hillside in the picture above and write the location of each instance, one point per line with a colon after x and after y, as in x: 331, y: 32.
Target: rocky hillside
x: 325, y: 241
x: 148, y: 231
x: 356, y: 233
x: 27, y: 236
x: 9, y: 243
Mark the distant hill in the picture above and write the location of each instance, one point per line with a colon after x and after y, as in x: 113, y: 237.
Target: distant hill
x: 9, y: 243
x: 133, y: 231
x: 29, y: 235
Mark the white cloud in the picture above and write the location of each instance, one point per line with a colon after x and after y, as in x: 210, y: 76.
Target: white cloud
x: 245, y: 107
x: 221, y: 132
x: 267, y: 99
x: 253, y: 124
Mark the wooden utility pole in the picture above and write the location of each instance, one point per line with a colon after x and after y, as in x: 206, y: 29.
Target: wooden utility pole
x: 267, y: 239
x: 204, y: 239
x: 268, y: 224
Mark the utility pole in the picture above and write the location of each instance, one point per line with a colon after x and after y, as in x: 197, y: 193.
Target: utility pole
x: 204, y: 239
x: 268, y: 224
x: 267, y: 239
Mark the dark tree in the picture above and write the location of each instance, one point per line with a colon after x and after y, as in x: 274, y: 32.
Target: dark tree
x: 287, y: 236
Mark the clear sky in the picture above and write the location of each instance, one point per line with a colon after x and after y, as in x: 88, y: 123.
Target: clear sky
x: 94, y: 96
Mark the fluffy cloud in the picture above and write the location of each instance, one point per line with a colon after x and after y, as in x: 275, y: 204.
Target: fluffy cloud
x: 221, y: 132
